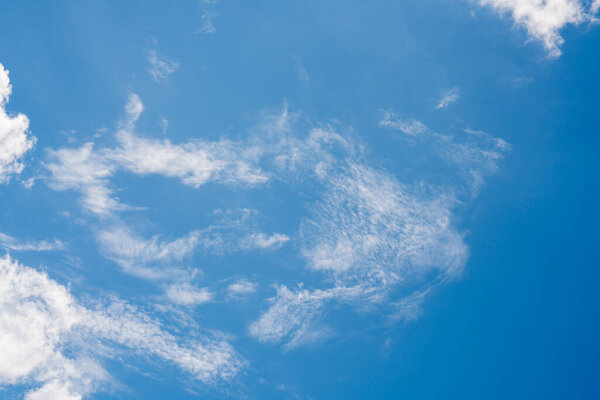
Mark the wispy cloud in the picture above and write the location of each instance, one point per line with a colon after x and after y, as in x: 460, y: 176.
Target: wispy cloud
x: 40, y: 319
x: 448, y: 98
x: 160, y: 66
x: 88, y: 170
x: 146, y: 257
x: 544, y: 19
x: 262, y: 241
x: 370, y: 239
x: 207, y: 23
x: 14, y: 138
x: 376, y: 240
x: 411, y: 127
x: 474, y: 155
x: 11, y: 243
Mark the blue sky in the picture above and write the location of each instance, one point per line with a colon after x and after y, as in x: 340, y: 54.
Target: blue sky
x: 299, y: 200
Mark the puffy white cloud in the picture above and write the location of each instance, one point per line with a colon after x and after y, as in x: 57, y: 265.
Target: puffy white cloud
x: 14, y: 138
x: 160, y: 66
x: 544, y: 19
x: 41, y: 323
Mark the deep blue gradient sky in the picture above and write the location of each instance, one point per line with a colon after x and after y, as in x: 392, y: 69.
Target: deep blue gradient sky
x: 428, y: 249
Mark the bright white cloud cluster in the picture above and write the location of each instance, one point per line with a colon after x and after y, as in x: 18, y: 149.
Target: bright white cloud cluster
x: 41, y: 324
x: 544, y: 19
x: 14, y: 138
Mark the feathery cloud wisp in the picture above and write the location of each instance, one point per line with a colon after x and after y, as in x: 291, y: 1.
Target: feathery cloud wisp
x: 160, y: 66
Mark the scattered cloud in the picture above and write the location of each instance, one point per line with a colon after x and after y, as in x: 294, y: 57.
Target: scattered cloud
x: 160, y: 66
x: 164, y: 124
x: 147, y: 258
x: 241, y: 287
x: 207, y: 24
x: 303, y: 76
x: 263, y: 241
x: 14, y: 138
x: 11, y: 243
x: 49, y: 339
x: 371, y: 239
x: 294, y: 312
x: 376, y: 240
x: 188, y: 295
x: 544, y: 19
x: 411, y: 127
x: 88, y: 170
x: 474, y: 157
x: 448, y: 98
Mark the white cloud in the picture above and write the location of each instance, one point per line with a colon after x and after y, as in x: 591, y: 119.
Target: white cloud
x: 11, y: 243
x: 263, y: 241
x: 14, y: 138
x: 241, y: 287
x: 474, y: 157
x: 411, y: 127
x: 371, y: 229
x: 377, y: 241
x: 371, y: 238
x: 147, y: 257
x: 544, y: 19
x: 188, y: 295
x: 370, y: 235
x: 164, y: 124
x: 207, y: 26
x: 88, y: 170
x: 40, y: 320
x: 161, y: 66
x: 293, y: 313
x: 448, y: 98
x: 195, y: 163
